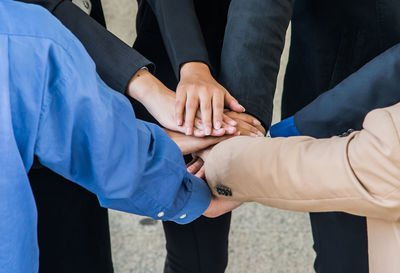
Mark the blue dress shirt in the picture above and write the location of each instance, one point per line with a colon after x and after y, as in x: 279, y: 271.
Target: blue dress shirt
x: 54, y: 105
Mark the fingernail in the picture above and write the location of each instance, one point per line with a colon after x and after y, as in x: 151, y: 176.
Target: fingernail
x: 218, y: 131
x: 208, y: 131
x: 253, y: 135
x: 244, y: 109
x: 256, y: 122
x: 231, y: 130
x: 237, y: 133
x: 260, y: 134
x: 218, y: 125
x: 179, y: 122
x: 188, y: 131
x: 232, y: 122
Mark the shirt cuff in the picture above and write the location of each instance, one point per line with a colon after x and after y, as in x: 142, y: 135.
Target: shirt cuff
x: 285, y: 128
x: 198, y: 202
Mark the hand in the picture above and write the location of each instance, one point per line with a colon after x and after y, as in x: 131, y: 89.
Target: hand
x: 198, y: 87
x: 158, y: 99
x: 247, y: 125
x: 219, y: 207
x: 190, y: 144
x: 160, y: 102
x: 228, y: 127
x: 196, y: 166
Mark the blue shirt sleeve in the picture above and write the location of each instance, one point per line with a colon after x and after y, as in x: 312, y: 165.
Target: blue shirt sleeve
x: 285, y: 128
x: 88, y: 133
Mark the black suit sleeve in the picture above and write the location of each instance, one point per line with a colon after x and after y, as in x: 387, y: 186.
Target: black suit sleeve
x: 181, y: 32
x: 116, y: 62
x: 344, y: 107
x: 251, y: 53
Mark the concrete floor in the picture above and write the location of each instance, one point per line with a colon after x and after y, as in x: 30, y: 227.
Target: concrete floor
x: 262, y: 239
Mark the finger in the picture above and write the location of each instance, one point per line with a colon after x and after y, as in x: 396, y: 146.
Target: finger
x: 218, y: 109
x: 199, y: 133
x: 218, y: 132
x: 261, y: 129
x: 214, y: 132
x: 180, y: 129
x: 248, y: 119
x: 229, y: 129
x: 259, y: 126
x: 233, y: 104
x: 192, y: 104
x: 247, y: 133
x: 206, y: 113
x: 194, y: 158
x: 196, y: 166
x: 229, y: 120
x: 244, y: 126
x: 199, y: 129
x: 180, y: 105
x: 201, y: 173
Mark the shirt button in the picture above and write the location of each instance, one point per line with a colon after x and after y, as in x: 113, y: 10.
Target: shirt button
x: 160, y: 214
x: 183, y: 216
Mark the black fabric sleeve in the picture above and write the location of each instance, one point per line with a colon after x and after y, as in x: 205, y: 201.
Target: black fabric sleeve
x: 116, y: 62
x: 181, y: 32
x: 344, y: 107
x: 251, y: 53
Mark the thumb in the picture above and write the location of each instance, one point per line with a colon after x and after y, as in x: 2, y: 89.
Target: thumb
x: 232, y: 103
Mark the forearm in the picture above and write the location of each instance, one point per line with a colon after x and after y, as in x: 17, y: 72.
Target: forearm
x: 89, y: 134
x: 345, y: 106
x: 121, y: 160
x: 356, y: 174
x: 181, y: 32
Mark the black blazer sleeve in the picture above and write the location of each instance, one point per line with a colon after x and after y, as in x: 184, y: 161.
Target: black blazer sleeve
x: 375, y: 85
x: 251, y: 53
x: 181, y: 32
x: 116, y: 62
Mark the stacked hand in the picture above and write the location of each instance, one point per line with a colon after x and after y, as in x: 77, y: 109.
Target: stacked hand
x: 161, y: 101
x: 194, y: 117
x: 198, y: 90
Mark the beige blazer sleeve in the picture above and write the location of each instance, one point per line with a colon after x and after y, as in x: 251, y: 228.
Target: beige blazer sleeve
x: 358, y: 174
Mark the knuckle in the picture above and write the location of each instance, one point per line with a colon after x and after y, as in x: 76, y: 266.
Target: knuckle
x: 191, y: 87
x: 204, y: 93
x: 218, y: 105
x: 191, y: 104
x: 205, y: 107
x: 179, y: 102
x: 218, y: 91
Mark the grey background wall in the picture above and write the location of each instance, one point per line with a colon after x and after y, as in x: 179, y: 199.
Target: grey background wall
x: 262, y: 240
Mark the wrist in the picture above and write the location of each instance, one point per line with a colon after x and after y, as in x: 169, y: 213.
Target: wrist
x: 142, y: 85
x: 189, y: 68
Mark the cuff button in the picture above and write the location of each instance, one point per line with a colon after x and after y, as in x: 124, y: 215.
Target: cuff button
x: 160, y: 214
x: 183, y: 216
